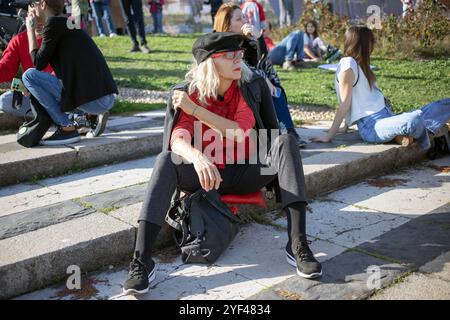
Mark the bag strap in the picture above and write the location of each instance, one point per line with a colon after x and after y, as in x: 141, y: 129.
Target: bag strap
x: 197, y: 225
x: 213, y: 198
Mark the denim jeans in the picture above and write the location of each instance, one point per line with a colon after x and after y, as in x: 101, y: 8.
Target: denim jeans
x: 286, y: 12
x: 157, y: 22
x: 46, y: 88
x: 134, y: 15
x: 384, y: 125
x: 6, y: 105
x: 287, y: 49
x: 101, y: 10
x: 282, y: 110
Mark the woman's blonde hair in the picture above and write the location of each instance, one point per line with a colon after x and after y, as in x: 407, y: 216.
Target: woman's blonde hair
x: 204, y: 79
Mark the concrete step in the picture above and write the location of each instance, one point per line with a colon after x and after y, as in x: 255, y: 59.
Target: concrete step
x: 33, y: 211
x: 391, y: 225
x: 125, y: 138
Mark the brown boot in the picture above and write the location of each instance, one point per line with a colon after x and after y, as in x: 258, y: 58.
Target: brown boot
x: 403, y: 140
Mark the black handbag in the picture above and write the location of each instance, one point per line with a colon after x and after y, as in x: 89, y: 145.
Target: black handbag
x: 31, y: 132
x: 202, y: 226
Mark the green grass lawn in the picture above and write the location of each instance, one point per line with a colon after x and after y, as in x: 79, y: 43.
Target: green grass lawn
x: 408, y: 83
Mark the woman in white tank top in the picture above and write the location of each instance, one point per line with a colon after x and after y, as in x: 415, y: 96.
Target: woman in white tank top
x: 363, y: 104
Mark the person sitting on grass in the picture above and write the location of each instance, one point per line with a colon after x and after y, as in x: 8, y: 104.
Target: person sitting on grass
x: 314, y: 47
x: 289, y: 52
x: 83, y: 80
x: 219, y: 99
x: 362, y: 103
x: 230, y: 18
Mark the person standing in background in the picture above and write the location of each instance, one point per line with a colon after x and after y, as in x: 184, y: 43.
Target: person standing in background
x: 156, y: 8
x: 117, y: 16
x: 286, y: 13
x: 100, y: 10
x: 254, y: 14
x: 215, y: 5
x: 196, y: 8
x: 80, y: 9
x: 135, y: 16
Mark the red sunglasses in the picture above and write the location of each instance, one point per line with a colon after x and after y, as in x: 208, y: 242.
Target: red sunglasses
x: 230, y: 55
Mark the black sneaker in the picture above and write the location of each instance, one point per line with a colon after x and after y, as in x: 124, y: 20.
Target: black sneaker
x: 303, y: 259
x: 97, y: 124
x: 135, y: 48
x: 139, y: 277
x: 300, y: 142
x: 61, y: 137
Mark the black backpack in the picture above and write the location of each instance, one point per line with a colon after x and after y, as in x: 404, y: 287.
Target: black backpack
x: 203, y: 226
x: 31, y: 132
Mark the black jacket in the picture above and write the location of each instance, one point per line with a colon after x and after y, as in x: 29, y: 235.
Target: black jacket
x: 256, y: 94
x: 77, y: 61
x: 257, y: 57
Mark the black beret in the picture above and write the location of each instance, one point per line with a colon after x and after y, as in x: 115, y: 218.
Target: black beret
x: 216, y: 42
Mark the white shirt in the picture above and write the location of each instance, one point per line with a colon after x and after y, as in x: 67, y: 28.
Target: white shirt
x: 365, y: 100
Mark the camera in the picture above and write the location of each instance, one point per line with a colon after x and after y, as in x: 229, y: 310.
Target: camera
x: 21, y: 4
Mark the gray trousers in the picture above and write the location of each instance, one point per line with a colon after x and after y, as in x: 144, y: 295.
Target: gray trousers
x: 283, y: 160
x: 6, y: 105
x: 286, y: 12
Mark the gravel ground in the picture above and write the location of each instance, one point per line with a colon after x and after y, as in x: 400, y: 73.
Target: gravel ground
x: 304, y: 113
x: 310, y: 113
x: 142, y: 95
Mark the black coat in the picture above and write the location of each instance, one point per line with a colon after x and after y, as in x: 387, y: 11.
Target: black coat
x: 77, y: 61
x: 257, y: 95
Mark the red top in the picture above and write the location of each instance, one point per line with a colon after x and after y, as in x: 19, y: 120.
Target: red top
x: 17, y: 53
x: 232, y: 107
x: 262, y: 15
x: 269, y: 43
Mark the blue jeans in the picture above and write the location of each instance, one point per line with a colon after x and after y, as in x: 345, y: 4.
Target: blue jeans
x: 287, y: 49
x: 102, y: 10
x: 46, y: 88
x: 384, y: 125
x: 157, y: 22
x: 282, y: 109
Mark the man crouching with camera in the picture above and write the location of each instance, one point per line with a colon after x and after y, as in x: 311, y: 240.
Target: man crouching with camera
x: 83, y: 80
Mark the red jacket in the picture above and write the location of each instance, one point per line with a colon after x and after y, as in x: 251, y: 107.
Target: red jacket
x: 17, y: 53
x: 233, y: 107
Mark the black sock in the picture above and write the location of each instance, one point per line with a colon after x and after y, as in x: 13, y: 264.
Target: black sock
x: 296, y: 217
x: 145, y: 240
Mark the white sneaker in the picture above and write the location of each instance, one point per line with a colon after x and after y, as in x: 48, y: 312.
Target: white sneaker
x: 112, y: 35
x: 102, y: 35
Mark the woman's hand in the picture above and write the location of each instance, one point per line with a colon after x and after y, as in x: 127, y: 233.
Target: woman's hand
x: 325, y: 139
x: 30, y: 20
x: 207, y: 172
x: 180, y: 99
x: 272, y: 88
x: 249, y: 31
x: 344, y: 129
